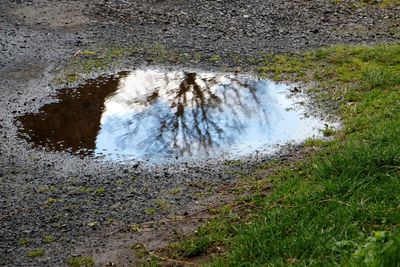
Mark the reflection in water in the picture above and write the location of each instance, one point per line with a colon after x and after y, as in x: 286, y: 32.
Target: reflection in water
x: 179, y: 114
x: 149, y: 114
x: 72, y: 123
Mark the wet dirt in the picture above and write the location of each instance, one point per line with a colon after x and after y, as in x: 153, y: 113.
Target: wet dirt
x: 166, y: 116
x: 77, y: 200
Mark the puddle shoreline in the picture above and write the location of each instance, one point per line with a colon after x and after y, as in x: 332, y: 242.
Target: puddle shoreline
x: 172, y: 116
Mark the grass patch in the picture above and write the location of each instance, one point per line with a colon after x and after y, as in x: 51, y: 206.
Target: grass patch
x: 334, y: 207
x: 381, y: 249
x: 51, y: 201
x: 25, y: 242
x: 150, y: 211
x: 162, y: 204
x: 80, y: 261
x: 37, y: 252
x: 215, y: 58
x: 374, y: 3
x: 102, y: 59
x: 49, y: 239
x: 381, y: 3
x: 328, y: 131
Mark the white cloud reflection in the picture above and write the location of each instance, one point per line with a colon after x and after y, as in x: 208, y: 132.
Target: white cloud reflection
x: 161, y: 115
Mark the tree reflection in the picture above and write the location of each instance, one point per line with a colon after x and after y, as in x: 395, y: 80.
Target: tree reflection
x: 187, y: 114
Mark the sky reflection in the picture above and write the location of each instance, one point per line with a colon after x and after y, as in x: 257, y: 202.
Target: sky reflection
x: 166, y: 115
x: 154, y: 114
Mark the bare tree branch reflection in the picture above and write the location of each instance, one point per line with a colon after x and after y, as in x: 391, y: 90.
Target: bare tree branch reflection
x: 199, y: 114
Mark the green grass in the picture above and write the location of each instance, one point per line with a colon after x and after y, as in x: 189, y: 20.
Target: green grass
x: 37, y: 252
x: 103, y: 58
x: 49, y: 239
x: 215, y: 58
x: 383, y: 3
x: 80, y: 261
x: 324, y: 210
x: 379, y: 3
x: 381, y: 249
x: 24, y: 242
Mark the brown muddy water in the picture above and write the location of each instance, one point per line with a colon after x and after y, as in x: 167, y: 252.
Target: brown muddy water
x: 158, y: 115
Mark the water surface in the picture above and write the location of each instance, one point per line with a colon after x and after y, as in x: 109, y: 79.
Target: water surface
x: 152, y: 114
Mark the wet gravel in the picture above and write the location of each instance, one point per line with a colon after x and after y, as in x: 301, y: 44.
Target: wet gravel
x: 77, y: 200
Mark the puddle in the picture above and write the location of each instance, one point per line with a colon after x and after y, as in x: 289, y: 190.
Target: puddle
x: 152, y: 114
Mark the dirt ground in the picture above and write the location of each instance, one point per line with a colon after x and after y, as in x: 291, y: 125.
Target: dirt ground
x: 44, y: 193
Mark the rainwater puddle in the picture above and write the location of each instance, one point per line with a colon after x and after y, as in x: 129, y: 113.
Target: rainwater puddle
x: 156, y: 115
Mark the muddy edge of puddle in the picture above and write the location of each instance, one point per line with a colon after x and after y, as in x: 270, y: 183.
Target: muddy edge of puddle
x: 44, y: 193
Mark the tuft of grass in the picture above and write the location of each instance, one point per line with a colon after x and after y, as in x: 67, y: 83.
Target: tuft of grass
x: 197, y: 56
x: 162, y: 204
x: 311, y: 142
x: 135, y: 228
x: 49, y: 239
x: 150, y: 211
x: 46, y: 189
x: 110, y: 220
x: 323, y: 210
x: 233, y: 163
x: 25, y: 242
x: 328, y: 131
x: 161, y: 54
x: 72, y: 78
x: 174, y: 191
x: 80, y: 261
x: 100, y: 191
x: 87, y: 53
x: 215, y: 58
x: 51, y: 201
x: 37, y: 252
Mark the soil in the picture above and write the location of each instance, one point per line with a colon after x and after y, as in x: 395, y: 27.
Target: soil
x: 88, y: 205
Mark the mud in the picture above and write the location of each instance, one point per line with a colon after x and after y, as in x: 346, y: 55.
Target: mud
x: 79, y: 200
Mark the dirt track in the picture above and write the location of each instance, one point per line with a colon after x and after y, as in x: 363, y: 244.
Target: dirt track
x: 46, y: 193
